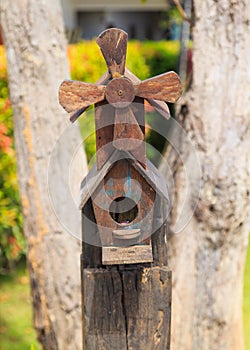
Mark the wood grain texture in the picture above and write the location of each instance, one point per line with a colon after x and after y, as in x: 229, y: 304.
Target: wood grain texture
x: 151, y: 175
x: 36, y: 52
x: 127, y: 133
x: 120, y: 92
x: 104, y: 123
x: 165, y: 87
x: 104, y: 120
x: 136, y: 254
x: 138, y: 108
x: 102, y: 81
x: 208, y: 255
x: 91, y: 243
x: 113, y: 44
x: 123, y: 180
x: 74, y: 96
x: 159, y: 232
x: 160, y: 106
x: 127, y: 308
x: 92, y: 256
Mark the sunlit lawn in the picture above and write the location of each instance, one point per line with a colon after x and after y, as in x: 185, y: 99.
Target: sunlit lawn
x: 16, y: 331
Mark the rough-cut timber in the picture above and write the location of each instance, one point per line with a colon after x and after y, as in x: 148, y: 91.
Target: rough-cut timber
x: 113, y: 44
x: 125, y: 286
x: 133, y: 137
x: 103, y: 80
x: 207, y: 257
x: 127, y: 308
x: 36, y: 52
x: 165, y: 87
x: 104, y: 124
x: 74, y: 95
x: 135, y: 254
x: 115, y: 183
x: 120, y: 92
x: 160, y: 106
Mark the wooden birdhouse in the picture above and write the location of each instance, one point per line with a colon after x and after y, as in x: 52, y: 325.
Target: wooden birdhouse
x: 124, y: 204
x: 123, y: 199
x: 122, y: 188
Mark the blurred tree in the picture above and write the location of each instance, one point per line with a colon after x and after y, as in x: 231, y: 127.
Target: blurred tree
x: 208, y: 255
x: 33, y: 34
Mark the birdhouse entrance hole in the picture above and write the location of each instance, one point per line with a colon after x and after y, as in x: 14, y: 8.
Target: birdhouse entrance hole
x: 123, y: 210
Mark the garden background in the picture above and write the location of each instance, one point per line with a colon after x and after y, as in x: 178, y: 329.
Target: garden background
x: 86, y: 63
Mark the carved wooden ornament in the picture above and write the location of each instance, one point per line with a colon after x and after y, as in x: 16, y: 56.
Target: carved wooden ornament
x: 120, y: 89
x: 119, y: 99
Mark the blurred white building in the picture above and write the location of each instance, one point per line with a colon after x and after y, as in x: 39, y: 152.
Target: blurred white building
x: 140, y: 19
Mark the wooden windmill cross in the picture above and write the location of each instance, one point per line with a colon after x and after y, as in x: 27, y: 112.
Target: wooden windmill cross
x: 123, y: 124
x: 126, y: 284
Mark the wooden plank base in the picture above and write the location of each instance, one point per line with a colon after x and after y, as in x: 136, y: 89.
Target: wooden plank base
x: 127, y: 255
x: 126, y: 308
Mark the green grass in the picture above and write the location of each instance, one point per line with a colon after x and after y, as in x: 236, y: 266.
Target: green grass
x: 16, y: 330
x: 246, y: 304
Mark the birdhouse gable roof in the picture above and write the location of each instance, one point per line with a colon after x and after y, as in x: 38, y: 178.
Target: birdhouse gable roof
x: 151, y: 174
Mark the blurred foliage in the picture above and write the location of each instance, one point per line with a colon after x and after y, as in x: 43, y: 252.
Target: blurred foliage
x: 87, y: 64
x: 160, y: 56
x: 12, y: 245
x: 170, y: 18
x: 85, y: 60
x: 145, y: 59
x: 16, y: 325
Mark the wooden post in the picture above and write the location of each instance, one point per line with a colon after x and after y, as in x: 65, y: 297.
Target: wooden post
x: 126, y: 284
x: 125, y: 306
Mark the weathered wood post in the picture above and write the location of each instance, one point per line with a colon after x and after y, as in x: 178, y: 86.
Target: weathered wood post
x: 126, y: 284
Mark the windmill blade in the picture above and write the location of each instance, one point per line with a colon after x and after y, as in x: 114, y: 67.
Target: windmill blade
x: 113, y: 44
x: 160, y: 106
x: 165, y: 87
x: 101, y: 81
x: 76, y: 96
x: 75, y: 115
x: 127, y: 132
